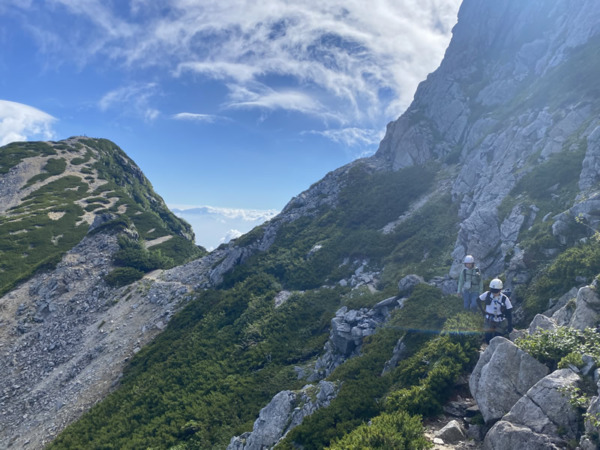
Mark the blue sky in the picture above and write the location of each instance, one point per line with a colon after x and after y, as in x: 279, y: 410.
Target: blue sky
x: 230, y: 107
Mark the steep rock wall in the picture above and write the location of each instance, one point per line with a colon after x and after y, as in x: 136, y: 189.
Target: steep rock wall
x: 500, y: 103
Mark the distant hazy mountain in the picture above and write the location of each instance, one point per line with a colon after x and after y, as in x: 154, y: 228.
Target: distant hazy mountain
x: 216, y: 226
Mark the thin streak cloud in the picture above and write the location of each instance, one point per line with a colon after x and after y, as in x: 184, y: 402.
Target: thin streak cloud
x: 195, y: 117
x: 134, y: 99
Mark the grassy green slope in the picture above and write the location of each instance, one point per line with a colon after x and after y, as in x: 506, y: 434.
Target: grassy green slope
x: 79, y: 177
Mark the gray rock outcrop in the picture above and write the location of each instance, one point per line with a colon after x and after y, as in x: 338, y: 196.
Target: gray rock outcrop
x: 543, y: 418
x: 408, y: 283
x: 66, y: 335
x: 283, y: 413
x: 453, y: 117
x: 398, y: 353
x: 348, y: 329
x: 503, y: 374
x: 452, y: 433
x: 506, y: 435
x: 541, y: 322
x: 587, y: 309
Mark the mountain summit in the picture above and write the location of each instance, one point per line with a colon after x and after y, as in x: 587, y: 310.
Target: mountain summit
x: 335, y: 324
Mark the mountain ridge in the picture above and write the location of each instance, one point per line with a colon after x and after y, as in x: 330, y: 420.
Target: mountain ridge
x: 497, y: 156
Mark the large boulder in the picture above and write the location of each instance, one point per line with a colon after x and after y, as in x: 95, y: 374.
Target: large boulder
x: 541, y: 322
x: 503, y: 374
x: 593, y: 412
x: 452, y: 433
x: 506, y: 435
x: 587, y: 309
x: 408, y: 283
x: 543, y: 416
x: 561, y: 309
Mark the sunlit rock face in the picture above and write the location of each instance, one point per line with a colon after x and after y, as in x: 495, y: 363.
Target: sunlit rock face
x: 500, y: 103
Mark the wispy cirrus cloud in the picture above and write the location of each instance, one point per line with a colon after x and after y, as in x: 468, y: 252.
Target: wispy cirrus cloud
x: 195, y: 117
x: 19, y: 122
x: 263, y: 97
x: 366, y: 140
x: 134, y: 98
x: 357, y: 61
x: 352, y: 136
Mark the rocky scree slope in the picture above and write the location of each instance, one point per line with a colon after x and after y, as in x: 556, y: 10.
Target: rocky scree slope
x: 64, y: 332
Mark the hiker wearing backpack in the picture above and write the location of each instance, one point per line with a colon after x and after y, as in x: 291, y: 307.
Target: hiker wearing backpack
x: 497, y: 311
x: 470, y: 283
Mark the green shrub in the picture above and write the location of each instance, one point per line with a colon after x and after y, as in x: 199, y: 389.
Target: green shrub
x: 572, y: 359
x: 82, y: 160
x: 558, y: 348
x: 387, y: 431
x: 580, y: 261
x: 426, y: 310
x: 122, y: 276
x: 133, y: 254
x: 31, y: 239
x: 372, y: 199
x: 178, y: 250
x: 93, y: 206
x: 15, y: 152
x: 426, y: 379
x: 423, y: 250
x: 560, y: 168
x: 196, y: 384
x: 97, y: 200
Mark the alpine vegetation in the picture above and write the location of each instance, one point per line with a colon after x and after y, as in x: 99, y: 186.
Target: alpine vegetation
x: 336, y: 324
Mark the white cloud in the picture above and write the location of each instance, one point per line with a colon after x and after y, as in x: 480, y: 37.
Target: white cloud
x: 249, y: 215
x: 265, y: 98
x: 352, y: 136
x: 219, y: 70
x: 19, y: 122
x: 133, y: 99
x: 312, y: 55
x: 214, y: 225
x: 231, y: 234
x: 206, y: 118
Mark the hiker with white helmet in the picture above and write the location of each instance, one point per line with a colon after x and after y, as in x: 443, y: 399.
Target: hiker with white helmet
x: 470, y: 283
x: 497, y: 311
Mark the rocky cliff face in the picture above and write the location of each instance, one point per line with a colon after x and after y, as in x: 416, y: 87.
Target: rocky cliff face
x: 502, y: 103
x: 503, y: 100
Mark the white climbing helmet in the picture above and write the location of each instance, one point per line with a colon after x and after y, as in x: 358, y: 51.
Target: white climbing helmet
x: 469, y: 259
x: 496, y: 283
